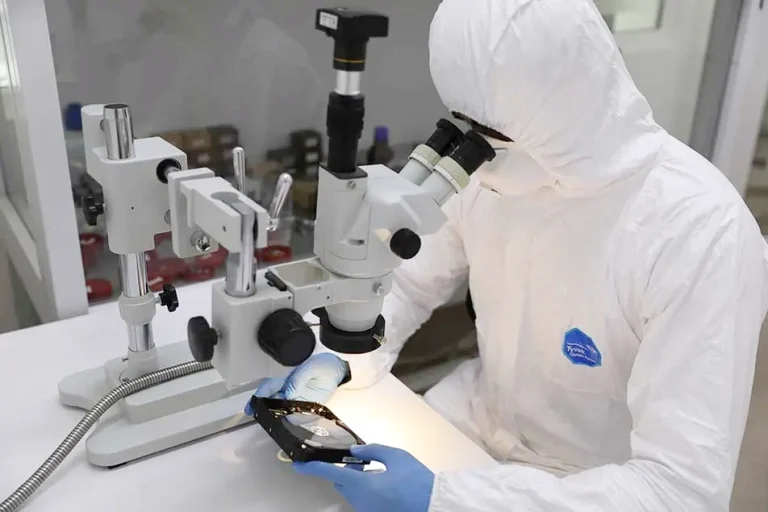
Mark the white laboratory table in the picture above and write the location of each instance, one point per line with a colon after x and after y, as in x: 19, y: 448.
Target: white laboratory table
x: 234, y: 471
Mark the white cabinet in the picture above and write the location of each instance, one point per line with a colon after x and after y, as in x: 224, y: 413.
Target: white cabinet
x: 37, y: 223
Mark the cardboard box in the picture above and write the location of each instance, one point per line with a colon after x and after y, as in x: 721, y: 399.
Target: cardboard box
x: 260, y: 171
x: 198, y: 159
x: 175, y: 138
x: 304, y: 194
x: 224, y: 136
x: 306, y: 140
x: 225, y: 155
x: 285, y: 157
x: 197, y: 140
x: 312, y: 158
x: 307, y: 146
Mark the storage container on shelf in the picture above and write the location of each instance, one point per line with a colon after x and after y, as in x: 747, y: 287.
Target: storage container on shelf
x: 73, y: 137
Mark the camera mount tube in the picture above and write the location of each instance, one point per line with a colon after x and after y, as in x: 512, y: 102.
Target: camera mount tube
x: 118, y: 133
x: 345, y: 126
x: 348, y: 82
x: 351, y: 31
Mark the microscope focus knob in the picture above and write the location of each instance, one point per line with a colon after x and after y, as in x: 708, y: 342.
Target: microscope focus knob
x: 169, y: 298
x: 202, y: 339
x: 92, y: 206
x: 286, y: 337
x: 405, y: 244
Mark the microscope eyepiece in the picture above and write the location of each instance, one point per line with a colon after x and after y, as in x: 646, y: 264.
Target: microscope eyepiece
x: 473, y: 152
x: 451, y: 174
x: 424, y: 157
x: 446, y: 138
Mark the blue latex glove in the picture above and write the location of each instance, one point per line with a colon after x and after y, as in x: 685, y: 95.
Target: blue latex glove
x: 314, y: 380
x: 406, y: 485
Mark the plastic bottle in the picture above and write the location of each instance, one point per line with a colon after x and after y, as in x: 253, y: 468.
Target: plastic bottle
x: 380, y: 152
x: 73, y: 136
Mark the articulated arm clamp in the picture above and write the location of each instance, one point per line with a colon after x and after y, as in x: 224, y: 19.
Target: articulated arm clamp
x: 204, y: 204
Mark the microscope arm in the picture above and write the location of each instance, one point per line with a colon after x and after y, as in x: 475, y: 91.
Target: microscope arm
x: 203, y: 204
x: 368, y: 220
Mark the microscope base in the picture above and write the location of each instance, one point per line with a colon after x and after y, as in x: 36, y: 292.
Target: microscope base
x: 157, y: 418
x: 117, y: 440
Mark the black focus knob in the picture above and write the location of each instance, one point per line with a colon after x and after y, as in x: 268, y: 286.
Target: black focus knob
x: 286, y: 337
x: 92, y: 206
x: 405, y: 244
x: 169, y: 298
x: 202, y: 339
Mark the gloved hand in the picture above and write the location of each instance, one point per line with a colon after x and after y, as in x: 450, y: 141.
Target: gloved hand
x: 406, y: 485
x: 314, y: 380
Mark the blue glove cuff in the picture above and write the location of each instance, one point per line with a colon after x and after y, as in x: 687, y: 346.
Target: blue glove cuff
x: 347, y: 374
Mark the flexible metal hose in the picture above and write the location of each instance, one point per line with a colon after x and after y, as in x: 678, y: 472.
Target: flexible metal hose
x: 26, y: 489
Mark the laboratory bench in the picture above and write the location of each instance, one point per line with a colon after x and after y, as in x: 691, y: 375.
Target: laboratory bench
x: 234, y: 471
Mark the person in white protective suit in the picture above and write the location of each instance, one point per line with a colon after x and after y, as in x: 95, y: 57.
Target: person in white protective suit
x: 618, y: 279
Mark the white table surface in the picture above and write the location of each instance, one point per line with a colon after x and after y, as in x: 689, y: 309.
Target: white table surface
x: 234, y: 471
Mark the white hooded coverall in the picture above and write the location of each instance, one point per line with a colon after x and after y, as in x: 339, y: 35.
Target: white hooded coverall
x: 617, y: 276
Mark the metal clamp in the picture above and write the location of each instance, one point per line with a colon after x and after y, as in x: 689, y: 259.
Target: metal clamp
x: 283, y: 186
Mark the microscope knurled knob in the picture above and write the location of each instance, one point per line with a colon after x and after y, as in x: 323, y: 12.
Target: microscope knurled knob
x: 169, y: 298
x: 405, y: 243
x: 202, y: 339
x: 92, y: 207
x: 286, y: 337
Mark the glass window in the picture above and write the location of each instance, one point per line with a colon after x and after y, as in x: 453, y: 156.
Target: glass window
x: 630, y: 15
x: 26, y: 314
x: 11, y: 169
x: 757, y: 189
x: 225, y: 74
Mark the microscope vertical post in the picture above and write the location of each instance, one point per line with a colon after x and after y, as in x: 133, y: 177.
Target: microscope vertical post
x: 240, y: 279
x: 118, y: 130
x: 133, y: 277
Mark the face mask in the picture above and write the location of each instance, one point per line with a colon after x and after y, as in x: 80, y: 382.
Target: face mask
x: 513, y: 171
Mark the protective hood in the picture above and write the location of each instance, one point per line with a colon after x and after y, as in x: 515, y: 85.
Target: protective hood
x: 558, y: 88
x: 513, y: 171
